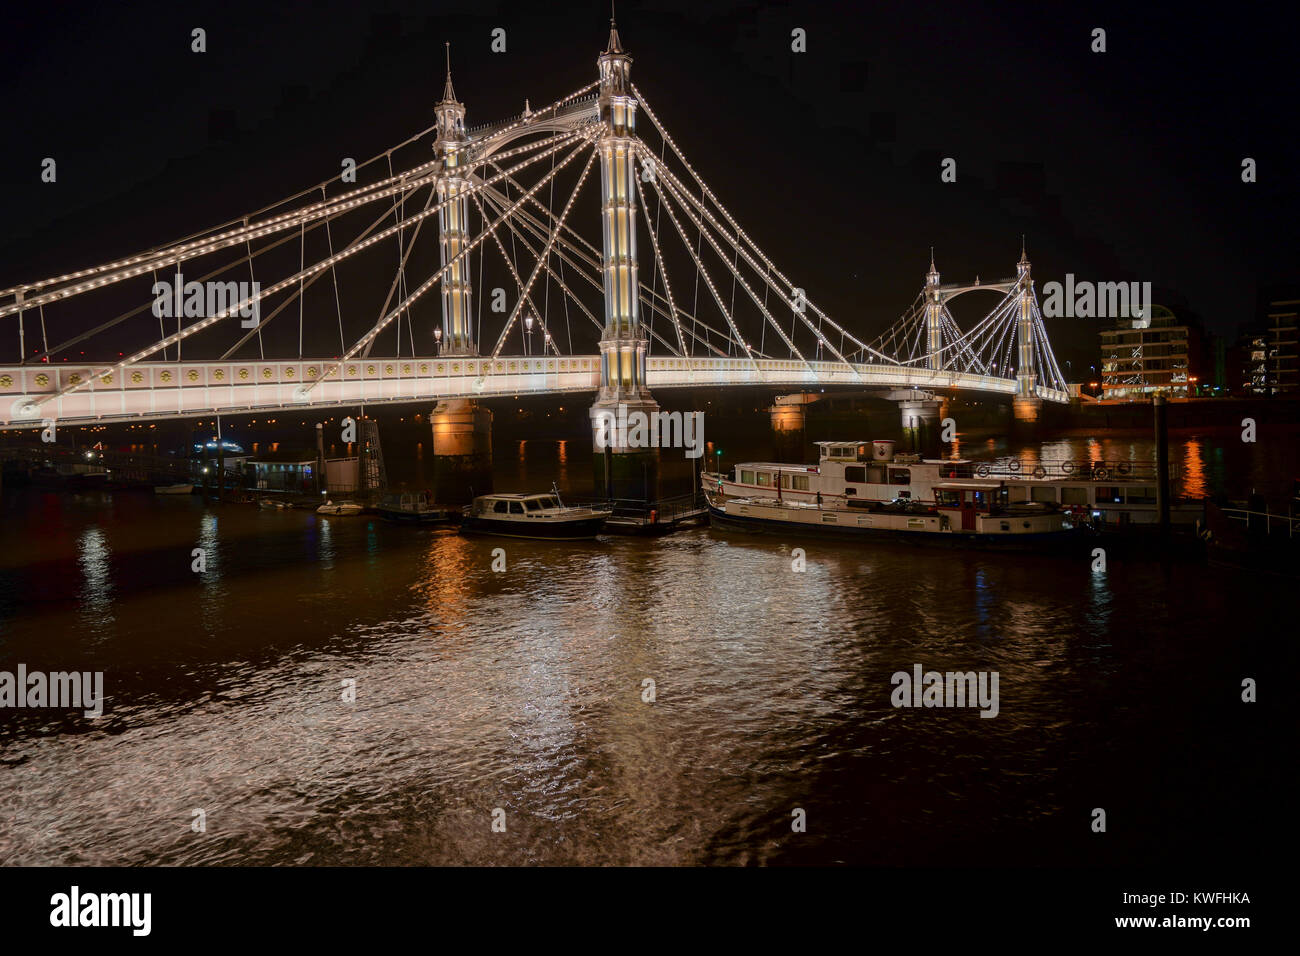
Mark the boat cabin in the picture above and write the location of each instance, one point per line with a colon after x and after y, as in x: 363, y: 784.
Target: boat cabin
x: 523, y: 506
x: 963, y: 501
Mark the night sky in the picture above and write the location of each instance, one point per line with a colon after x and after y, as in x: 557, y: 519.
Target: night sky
x: 1119, y: 166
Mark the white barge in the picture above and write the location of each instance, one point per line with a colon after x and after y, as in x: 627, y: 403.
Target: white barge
x: 848, y: 474
x: 969, y: 514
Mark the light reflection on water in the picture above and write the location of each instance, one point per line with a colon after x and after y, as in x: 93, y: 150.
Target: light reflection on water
x: 523, y: 690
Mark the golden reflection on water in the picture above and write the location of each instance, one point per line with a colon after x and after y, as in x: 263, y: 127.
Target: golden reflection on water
x: 1195, y: 484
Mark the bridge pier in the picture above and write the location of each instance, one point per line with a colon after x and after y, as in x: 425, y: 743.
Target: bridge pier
x: 1026, y: 415
x: 921, y: 417
x: 789, y: 414
x: 462, y: 451
x: 623, y: 467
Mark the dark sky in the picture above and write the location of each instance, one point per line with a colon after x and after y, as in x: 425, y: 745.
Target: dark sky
x: 1117, y: 166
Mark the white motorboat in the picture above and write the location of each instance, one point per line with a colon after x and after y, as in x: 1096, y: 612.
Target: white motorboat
x: 341, y: 508
x: 532, y: 516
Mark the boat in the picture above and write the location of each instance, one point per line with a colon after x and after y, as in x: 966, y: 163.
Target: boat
x: 414, y: 508
x: 532, y: 516
x: 180, y: 488
x: 968, y: 514
x: 342, y: 508
x: 1111, y: 496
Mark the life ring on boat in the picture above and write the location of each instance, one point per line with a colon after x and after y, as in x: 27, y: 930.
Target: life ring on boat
x: 1013, y: 466
x: 1040, y: 471
x: 1067, y: 467
x: 1099, y: 474
x: 982, y: 471
x: 1123, y: 468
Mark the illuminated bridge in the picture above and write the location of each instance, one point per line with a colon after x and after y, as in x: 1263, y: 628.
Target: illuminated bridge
x: 337, y: 297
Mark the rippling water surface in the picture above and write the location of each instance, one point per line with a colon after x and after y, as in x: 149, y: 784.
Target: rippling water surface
x: 523, y: 691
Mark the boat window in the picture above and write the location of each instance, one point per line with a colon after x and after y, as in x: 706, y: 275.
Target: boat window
x: 1110, y: 495
x: 1006, y: 525
x: 799, y: 482
x: 532, y: 504
x: 516, y: 508
x: 900, y: 476
x: 850, y: 491
x: 856, y: 474
x: 947, y: 497
x: 765, y: 479
x: 1039, y: 493
x: 1142, y: 495
x: 746, y: 477
x: 500, y: 507
x: 981, y: 499
x: 785, y: 481
x: 1074, y: 495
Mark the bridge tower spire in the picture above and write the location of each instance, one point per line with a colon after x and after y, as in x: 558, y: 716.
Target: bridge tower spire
x: 1026, y: 404
x: 933, y: 317
x: 622, y: 471
x: 462, y: 429
x: 453, y: 222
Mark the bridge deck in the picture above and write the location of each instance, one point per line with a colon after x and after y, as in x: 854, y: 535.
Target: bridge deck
x: 160, y: 390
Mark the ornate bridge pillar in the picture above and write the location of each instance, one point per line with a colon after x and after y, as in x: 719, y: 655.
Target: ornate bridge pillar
x: 462, y: 430
x: 622, y: 469
x: 933, y: 317
x: 1026, y: 406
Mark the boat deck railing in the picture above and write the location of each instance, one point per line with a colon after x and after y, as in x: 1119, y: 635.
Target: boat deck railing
x: 1267, y: 522
x: 663, y: 510
x: 1062, y: 469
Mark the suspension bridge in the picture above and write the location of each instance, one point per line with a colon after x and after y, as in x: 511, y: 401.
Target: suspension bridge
x: 206, y: 325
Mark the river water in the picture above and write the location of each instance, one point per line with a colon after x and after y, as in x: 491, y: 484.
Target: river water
x: 524, y: 691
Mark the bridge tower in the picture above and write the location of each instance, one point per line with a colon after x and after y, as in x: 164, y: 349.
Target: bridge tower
x: 462, y: 429
x: 621, y: 471
x: 1026, y: 406
x: 933, y: 317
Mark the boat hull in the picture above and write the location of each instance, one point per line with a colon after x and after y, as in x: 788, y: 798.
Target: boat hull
x: 423, y: 517
x: 1043, y: 541
x: 575, y: 530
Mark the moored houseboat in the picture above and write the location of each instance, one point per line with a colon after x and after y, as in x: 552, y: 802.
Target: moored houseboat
x: 532, y: 516
x: 968, y: 514
x: 1114, y: 495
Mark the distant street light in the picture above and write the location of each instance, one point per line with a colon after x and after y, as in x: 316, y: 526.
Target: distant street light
x: 437, y: 341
